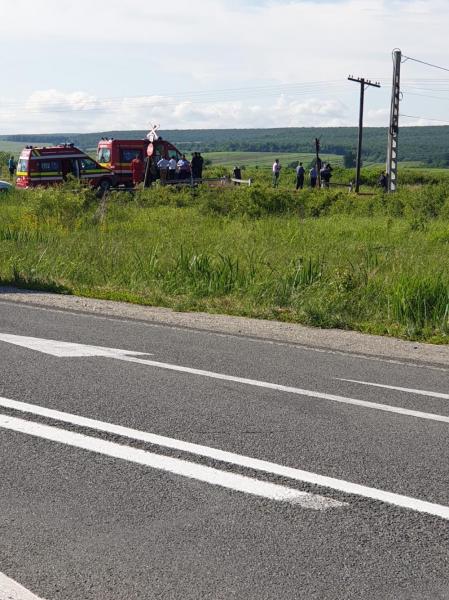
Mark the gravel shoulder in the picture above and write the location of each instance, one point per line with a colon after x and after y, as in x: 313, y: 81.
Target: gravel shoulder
x: 327, y: 339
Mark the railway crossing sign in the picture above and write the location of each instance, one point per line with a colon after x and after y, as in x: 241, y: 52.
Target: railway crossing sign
x: 152, y: 135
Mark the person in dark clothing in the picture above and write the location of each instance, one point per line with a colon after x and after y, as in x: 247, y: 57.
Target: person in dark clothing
x: 300, y: 172
x: 313, y: 177
x: 383, y: 182
x: 237, y: 174
x: 326, y: 174
x: 200, y: 165
x: 183, y: 168
x: 194, y: 165
x: 11, y: 166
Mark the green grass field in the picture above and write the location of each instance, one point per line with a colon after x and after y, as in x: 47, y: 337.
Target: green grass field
x: 265, y: 159
x: 13, y: 148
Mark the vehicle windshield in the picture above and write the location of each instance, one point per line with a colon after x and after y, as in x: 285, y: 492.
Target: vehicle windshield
x: 104, y: 155
x: 127, y: 155
x: 22, y: 165
x: 88, y: 164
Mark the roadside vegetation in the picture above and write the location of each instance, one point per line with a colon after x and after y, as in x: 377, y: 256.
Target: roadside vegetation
x: 328, y: 258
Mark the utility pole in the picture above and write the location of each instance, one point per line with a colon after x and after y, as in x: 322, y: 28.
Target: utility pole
x: 393, y: 131
x: 364, y: 83
x: 318, y: 162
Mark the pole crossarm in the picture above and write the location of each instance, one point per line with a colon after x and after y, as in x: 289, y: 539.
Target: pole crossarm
x: 365, y: 82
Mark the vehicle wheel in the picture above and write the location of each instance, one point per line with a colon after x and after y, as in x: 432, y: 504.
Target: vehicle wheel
x: 104, y: 186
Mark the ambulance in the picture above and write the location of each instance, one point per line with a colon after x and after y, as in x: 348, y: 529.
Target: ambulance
x: 117, y: 156
x: 52, y: 165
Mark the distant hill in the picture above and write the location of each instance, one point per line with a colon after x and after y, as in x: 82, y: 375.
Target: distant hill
x: 421, y: 144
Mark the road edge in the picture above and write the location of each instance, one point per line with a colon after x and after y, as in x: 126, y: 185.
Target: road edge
x: 336, y: 340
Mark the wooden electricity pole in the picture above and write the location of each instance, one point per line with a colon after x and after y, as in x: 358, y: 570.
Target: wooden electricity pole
x: 318, y: 163
x: 364, y: 83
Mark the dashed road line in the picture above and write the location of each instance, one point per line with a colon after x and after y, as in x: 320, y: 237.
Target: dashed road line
x: 291, y: 390
x: 399, y: 389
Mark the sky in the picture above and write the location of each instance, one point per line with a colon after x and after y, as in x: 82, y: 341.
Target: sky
x: 97, y: 66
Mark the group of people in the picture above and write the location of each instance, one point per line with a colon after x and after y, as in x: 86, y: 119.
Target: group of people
x: 170, y: 169
x: 182, y: 169
x: 325, y: 175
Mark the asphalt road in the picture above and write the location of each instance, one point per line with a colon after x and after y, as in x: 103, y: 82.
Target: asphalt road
x: 80, y: 522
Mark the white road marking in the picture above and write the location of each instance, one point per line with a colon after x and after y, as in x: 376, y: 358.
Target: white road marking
x: 292, y: 390
x: 400, y: 389
x: 233, y: 336
x: 175, y: 466
x: 73, y: 350
x: 235, y: 459
x: 66, y: 349
x: 11, y: 590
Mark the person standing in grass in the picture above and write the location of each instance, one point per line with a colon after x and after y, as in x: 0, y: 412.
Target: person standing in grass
x: 172, y: 165
x: 200, y: 165
x: 326, y: 174
x: 237, y: 174
x: 300, y: 172
x: 162, y: 165
x: 183, y: 168
x: 313, y: 177
x: 194, y: 165
x: 11, y: 166
x: 383, y: 182
x: 276, y: 172
x: 137, y: 170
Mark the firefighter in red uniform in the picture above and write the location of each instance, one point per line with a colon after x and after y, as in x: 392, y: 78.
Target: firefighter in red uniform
x: 137, y: 170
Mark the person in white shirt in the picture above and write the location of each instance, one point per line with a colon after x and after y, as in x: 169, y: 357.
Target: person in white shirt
x: 300, y: 173
x: 183, y: 168
x: 172, y: 164
x: 276, y: 172
x: 162, y: 165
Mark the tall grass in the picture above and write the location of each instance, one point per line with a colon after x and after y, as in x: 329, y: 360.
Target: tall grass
x: 327, y: 258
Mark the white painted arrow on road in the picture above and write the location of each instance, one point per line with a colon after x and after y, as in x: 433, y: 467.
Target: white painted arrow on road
x: 11, y: 590
x: 66, y: 349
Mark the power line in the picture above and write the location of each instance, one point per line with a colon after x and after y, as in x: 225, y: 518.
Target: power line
x: 160, y: 104
x: 424, y: 89
x: 422, y: 62
x: 425, y: 118
x: 118, y: 104
x: 296, y: 88
x: 446, y: 98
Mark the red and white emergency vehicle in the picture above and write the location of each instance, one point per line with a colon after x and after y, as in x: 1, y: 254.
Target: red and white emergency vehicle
x: 117, y: 156
x: 52, y: 165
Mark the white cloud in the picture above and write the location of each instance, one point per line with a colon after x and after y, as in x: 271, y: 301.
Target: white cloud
x: 53, y: 110
x: 217, y: 45
x: 379, y: 117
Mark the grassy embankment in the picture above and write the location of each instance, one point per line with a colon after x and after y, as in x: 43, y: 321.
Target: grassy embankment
x: 372, y: 263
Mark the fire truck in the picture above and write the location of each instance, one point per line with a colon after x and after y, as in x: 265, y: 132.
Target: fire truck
x: 52, y: 165
x: 117, y: 156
